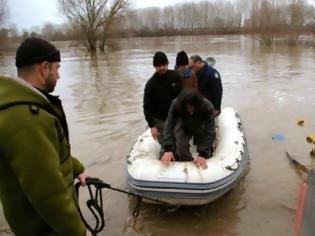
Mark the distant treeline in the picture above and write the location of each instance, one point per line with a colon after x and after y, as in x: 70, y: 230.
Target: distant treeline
x: 266, y: 20
x: 184, y: 19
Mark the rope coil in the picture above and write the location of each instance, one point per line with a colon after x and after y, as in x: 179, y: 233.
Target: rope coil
x: 95, y: 203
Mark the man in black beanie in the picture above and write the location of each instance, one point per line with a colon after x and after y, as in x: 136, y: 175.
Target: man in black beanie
x: 159, y: 92
x: 37, y: 170
x: 189, y: 79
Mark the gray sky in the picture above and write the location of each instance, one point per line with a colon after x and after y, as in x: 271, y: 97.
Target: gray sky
x: 26, y: 14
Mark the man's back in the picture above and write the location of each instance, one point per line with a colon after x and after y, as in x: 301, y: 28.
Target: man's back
x: 210, y: 85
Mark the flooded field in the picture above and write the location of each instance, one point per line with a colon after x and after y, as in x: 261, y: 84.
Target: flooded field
x: 270, y: 87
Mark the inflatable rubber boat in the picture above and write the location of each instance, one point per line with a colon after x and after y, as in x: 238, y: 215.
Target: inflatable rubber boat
x: 183, y: 183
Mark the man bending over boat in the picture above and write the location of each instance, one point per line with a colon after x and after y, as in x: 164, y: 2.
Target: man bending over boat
x: 159, y: 92
x: 190, y: 116
x: 37, y: 169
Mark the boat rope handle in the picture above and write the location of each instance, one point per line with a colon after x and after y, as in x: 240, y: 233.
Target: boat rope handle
x: 233, y: 169
x: 95, y: 203
x: 136, y: 211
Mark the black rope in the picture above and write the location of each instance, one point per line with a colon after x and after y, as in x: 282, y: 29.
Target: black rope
x: 231, y: 168
x: 136, y: 211
x: 143, y: 197
x: 95, y: 203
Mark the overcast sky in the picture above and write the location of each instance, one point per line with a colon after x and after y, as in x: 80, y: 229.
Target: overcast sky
x: 26, y: 14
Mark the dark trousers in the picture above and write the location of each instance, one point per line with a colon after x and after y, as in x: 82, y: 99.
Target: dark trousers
x: 182, y: 143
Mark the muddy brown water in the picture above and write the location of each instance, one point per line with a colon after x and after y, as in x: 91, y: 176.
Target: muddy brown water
x: 270, y: 88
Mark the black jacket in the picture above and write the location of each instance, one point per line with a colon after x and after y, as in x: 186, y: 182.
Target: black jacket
x: 159, y: 92
x: 210, y: 85
x: 202, y: 128
x: 58, y: 110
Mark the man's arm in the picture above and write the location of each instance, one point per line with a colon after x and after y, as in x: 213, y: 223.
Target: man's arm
x: 78, y: 168
x: 78, y: 171
x: 216, y: 90
x: 148, y: 105
x: 205, y: 141
x: 169, y: 136
x: 37, y: 168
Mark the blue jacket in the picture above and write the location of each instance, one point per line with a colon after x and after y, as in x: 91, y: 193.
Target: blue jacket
x: 210, y: 86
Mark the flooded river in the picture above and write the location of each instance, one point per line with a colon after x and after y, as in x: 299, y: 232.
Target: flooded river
x: 270, y: 87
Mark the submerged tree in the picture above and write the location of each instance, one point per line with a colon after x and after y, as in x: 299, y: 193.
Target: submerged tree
x: 296, y: 21
x: 265, y: 20
x: 93, y: 18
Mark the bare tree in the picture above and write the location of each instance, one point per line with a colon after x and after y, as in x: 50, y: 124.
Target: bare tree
x: 3, y: 11
x: 310, y: 18
x: 168, y: 18
x: 296, y: 21
x: 48, y: 31
x: 93, y: 18
x: 266, y: 20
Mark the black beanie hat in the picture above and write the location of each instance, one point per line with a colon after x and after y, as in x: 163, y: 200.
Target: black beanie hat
x: 182, y: 59
x: 35, y: 50
x: 159, y: 59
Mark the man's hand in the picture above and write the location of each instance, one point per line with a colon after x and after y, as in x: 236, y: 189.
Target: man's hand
x: 81, y: 177
x: 155, y: 133
x: 201, y: 162
x: 167, y: 158
x: 88, y: 233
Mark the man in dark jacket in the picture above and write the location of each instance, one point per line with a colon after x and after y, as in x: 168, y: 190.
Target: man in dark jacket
x: 37, y: 170
x: 190, y: 115
x: 209, y: 82
x: 159, y: 92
